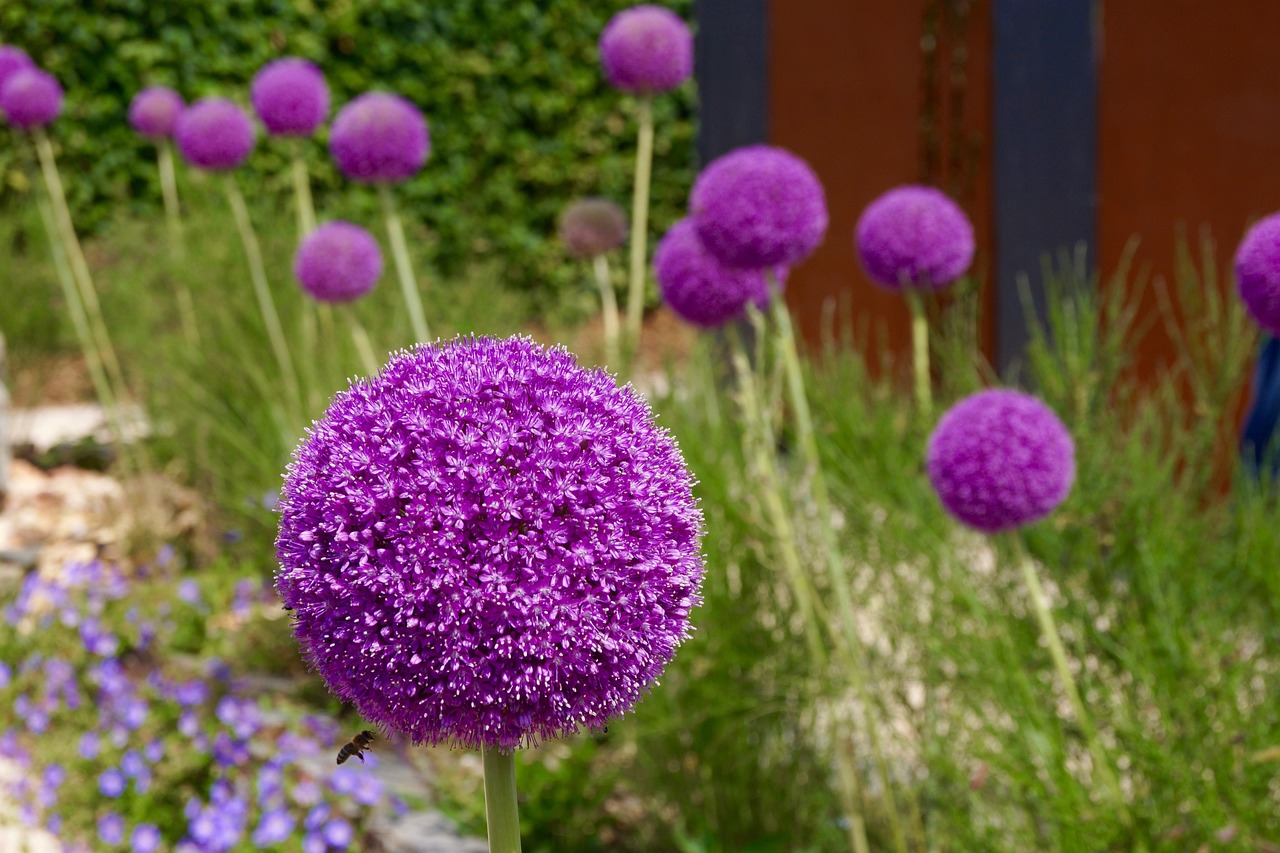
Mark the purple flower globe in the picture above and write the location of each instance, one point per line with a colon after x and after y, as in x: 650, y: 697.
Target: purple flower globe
x: 1258, y: 272
x: 758, y: 207
x: 592, y: 226
x: 12, y: 60
x: 31, y: 98
x: 379, y: 137
x: 914, y: 236
x: 700, y: 289
x: 338, y: 262
x: 214, y: 134
x: 154, y: 111
x: 1000, y: 459
x: 290, y: 96
x: 646, y: 49
x: 488, y: 545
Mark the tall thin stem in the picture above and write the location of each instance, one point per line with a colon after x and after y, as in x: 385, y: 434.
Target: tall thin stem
x: 501, y: 810
x: 400, y: 252
x: 363, y: 346
x: 609, y: 310
x: 639, y: 224
x: 302, y: 192
x: 177, y: 241
x: 920, y: 349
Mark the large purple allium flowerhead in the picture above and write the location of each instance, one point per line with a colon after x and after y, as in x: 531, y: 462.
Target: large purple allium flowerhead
x: 214, y: 134
x: 379, y: 137
x: 1000, y: 459
x: 759, y: 206
x: 154, y: 111
x: 592, y: 226
x: 699, y: 288
x: 1258, y: 272
x: 646, y: 49
x: 12, y: 60
x: 338, y: 262
x: 914, y: 236
x: 487, y: 544
x: 290, y: 96
x: 31, y: 98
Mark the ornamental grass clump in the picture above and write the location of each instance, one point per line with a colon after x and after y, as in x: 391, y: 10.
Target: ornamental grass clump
x: 590, y: 229
x: 700, y: 289
x: 291, y: 98
x: 487, y: 545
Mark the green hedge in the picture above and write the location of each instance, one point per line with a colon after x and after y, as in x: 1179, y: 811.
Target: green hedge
x: 521, y: 119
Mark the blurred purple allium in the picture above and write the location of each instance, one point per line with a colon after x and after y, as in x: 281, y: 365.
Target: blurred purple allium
x: 1000, y: 459
x: 759, y: 206
x: 592, y: 226
x: 30, y: 98
x: 154, y: 111
x: 489, y: 544
x: 214, y: 134
x: 699, y: 288
x: 12, y: 60
x: 290, y: 96
x: 1258, y: 272
x: 914, y: 236
x: 646, y: 49
x: 379, y: 137
x: 338, y: 262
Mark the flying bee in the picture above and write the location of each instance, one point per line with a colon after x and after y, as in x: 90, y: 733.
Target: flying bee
x: 355, y: 747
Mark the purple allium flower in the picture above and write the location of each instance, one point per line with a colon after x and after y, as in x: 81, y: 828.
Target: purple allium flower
x: 338, y: 262
x: 1258, y: 272
x: 916, y: 237
x: 12, y: 60
x: 111, y: 828
x: 290, y: 96
x: 145, y: 838
x: 276, y: 826
x: 111, y: 783
x: 759, y: 206
x: 31, y: 98
x: 154, y: 111
x: 646, y: 49
x: 699, y: 288
x: 592, y: 226
x: 489, y: 544
x: 214, y: 134
x: 379, y: 137
x: 1000, y: 459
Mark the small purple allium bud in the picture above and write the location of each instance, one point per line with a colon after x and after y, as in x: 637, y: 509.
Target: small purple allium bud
x: 914, y: 236
x: 154, y: 112
x: 31, y: 98
x: 646, y: 49
x: 338, y: 262
x: 1000, y: 459
x: 592, y: 226
x: 290, y: 96
x: 1258, y: 272
x: 214, y: 134
x: 12, y: 60
x: 758, y: 207
x: 489, y: 544
x: 379, y: 137
x: 700, y: 289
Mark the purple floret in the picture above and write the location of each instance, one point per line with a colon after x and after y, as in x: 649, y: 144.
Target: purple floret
x: 914, y: 236
x: 646, y: 49
x: 290, y: 96
x: 154, y: 112
x: 1258, y: 272
x: 214, y: 134
x: 30, y: 98
x: 487, y: 544
x: 1000, y: 459
x: 12, y: 60
x: 758, y: 207
x: 379, y: 137
x: 338, y: 262
x: 700, y: 289
x: 592, y: 226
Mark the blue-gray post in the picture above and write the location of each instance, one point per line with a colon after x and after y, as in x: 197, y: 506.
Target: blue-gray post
x: 731, y: 64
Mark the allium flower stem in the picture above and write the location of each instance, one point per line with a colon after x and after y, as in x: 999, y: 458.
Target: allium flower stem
x: 177, y: 240
x: 609, y: 310
x: 400, y: 251
x: 920, y: 349
x: 500, y: 800
x: 302, y: 192
x: 363, y: 346
x: 639, y: 224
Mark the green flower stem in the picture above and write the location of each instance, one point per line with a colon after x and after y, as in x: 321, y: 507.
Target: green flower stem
x: 609, y: 310
x: 920, y: 349
x: 363, y: 346
x: 639, y: 225
x: 302, y: 193
x: 177, y: 242
x: 400, y: 252
x: 500, y: 806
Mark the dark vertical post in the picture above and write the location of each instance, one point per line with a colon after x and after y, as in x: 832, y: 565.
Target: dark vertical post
x: 731, y: 64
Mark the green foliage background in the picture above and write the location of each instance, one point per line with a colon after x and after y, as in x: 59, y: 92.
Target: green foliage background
x: 521, y: 119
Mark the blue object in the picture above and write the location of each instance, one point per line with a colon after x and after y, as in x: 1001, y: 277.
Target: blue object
x: 1258, y: 443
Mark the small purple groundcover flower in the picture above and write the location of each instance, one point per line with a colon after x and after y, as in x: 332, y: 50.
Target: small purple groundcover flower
x: 145, y: 838
x: 487, y: 544
x: 290, y: 96
x: 914, y: 236
x: 1000, y: 459
x: 379, y: 137
x: 592, y: 226
x: 31, y: 98
x: 338, y: 262
x: 646, y: 49
x: 12, y: 60
x: 700, y: 289
x: 1258, y: 272
x: 154, y: 111
x: 214, y: 134
x: 758, y: 207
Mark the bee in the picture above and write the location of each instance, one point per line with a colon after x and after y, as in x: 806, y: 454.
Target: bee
x: 355, y: 747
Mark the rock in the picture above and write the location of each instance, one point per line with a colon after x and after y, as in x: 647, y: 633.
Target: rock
x: 425, y: 832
